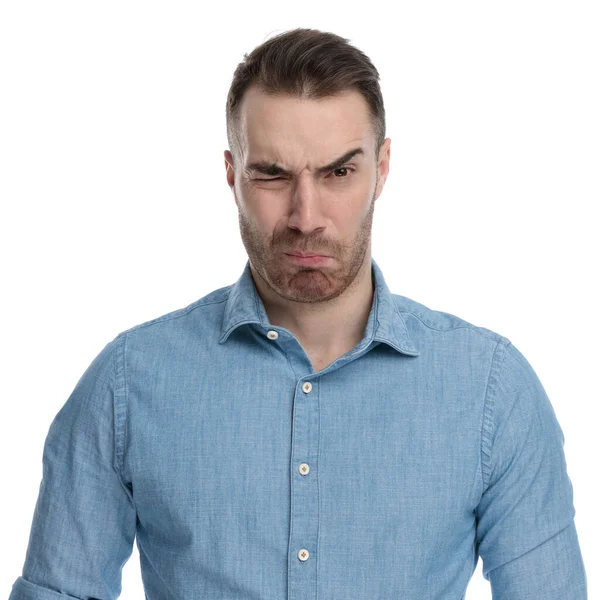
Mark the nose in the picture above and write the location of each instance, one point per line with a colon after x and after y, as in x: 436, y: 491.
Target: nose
x: 305, y: 210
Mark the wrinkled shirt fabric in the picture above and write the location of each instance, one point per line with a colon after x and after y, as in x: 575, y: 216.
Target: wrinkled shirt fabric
x: 206, y: 437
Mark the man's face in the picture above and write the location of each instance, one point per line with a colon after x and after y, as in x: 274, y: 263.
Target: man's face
x: 289, y: 201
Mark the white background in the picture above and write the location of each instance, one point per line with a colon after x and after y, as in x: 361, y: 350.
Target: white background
x: 115, y: 208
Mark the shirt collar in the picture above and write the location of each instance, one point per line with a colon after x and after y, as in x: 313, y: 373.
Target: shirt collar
x: 385, y: 324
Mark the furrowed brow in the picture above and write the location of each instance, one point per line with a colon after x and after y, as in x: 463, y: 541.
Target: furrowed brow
x: 339, y: 162
x: 267, y: 168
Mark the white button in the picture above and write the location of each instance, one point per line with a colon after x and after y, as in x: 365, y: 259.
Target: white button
x: 303, y: 554
x: 272, y: 335
x: 304, y: 469
x: 306, y: 387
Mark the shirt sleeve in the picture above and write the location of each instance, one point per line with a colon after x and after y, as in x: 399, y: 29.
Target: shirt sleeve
x: 84, y: 521
x: 526, y: 533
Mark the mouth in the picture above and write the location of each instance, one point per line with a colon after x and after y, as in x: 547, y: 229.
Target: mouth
x: 309, y: 260
x: 306, y: 254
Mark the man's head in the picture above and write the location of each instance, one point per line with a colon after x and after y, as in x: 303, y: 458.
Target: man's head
x: 306, y: 129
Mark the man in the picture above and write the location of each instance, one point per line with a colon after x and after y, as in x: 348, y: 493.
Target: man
x: 304, y: 432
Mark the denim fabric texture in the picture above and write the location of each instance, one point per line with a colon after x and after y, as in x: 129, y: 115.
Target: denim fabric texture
x: 206, y: 437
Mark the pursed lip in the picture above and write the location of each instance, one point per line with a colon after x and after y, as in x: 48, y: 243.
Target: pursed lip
x: 306, y: 254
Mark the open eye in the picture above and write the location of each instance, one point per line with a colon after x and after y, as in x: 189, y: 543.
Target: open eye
x: 344, y: 170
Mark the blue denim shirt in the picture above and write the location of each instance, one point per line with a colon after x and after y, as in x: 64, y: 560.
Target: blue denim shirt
x: 206, y: 435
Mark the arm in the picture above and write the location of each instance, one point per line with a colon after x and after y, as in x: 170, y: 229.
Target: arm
x: 526, y: 533
x: 84, y: 522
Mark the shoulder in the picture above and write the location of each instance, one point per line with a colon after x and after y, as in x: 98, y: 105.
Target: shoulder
x: 199, y: 313
x: 422, y: 320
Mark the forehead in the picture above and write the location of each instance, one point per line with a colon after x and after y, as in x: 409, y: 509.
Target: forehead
x: 299, y: 131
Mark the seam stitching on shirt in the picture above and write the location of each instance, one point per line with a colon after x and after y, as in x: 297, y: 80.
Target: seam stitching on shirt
x: 487, y: 427
x: 126, y: 404
x: 120, y: 404
x: 113, y: 356
x: 318, y: 492
x: 471, y: 326
x: 173, y: 315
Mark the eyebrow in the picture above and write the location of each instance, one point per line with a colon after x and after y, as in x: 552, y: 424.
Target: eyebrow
x: 267, y: 168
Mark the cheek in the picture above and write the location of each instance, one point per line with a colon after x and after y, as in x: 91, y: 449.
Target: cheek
x: 352, y: 203
x: 264, y: 213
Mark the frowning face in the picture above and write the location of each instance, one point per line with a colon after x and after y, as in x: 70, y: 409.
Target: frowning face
x: 305, y: 179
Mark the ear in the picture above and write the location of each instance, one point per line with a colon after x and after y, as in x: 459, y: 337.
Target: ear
x: 383, y: 165
x: 229, y: 171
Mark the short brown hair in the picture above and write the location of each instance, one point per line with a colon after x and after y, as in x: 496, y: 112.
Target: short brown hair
x: 307, y: 63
